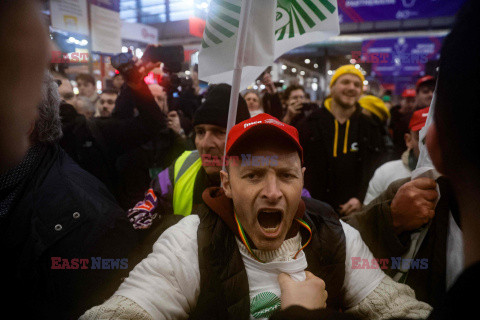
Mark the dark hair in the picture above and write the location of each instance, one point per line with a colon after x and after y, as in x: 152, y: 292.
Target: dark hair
x: 110, y: 91
x: 457, y: 110
x: 86, y: 78
x: 293, y: 87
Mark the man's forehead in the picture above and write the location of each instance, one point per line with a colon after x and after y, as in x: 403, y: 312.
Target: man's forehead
x: 265, y: 159
x: 107, y: 94
x: 209, y: 127
x: 297, y: 92
x: 348, y: 76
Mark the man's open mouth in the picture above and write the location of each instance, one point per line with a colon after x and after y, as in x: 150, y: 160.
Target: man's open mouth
x: 269, y: 219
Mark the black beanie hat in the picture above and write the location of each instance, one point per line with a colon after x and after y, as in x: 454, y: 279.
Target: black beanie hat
x: 214, y: 110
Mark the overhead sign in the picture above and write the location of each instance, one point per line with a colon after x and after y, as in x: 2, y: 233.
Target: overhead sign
x: 395, y: 60
x: 399, y: 56
x: 69, y: 15
x: 106, y: 26
x: 378, y: 10
x: 139, y: 32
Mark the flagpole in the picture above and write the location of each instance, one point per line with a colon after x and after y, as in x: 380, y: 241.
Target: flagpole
x: 237, y: 71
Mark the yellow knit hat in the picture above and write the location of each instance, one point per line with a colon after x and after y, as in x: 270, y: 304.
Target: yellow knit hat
x: 348, y: 68
x: 376, y: 106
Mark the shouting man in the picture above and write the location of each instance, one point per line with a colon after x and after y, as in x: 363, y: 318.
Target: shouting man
x: 225, y: 261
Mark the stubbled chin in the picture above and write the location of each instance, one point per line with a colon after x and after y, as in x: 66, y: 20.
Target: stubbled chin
x: 269, y: 245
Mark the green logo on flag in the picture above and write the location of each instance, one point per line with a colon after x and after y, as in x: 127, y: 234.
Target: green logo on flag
x: 294, y: 16
x: 263, y: 305
x: 222, y: 22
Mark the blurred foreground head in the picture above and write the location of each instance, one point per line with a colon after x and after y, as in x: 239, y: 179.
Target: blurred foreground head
x: 23, y: 57
x: 454, y: 138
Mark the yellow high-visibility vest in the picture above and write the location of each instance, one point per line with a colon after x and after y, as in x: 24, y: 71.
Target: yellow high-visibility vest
x: 186, y: 169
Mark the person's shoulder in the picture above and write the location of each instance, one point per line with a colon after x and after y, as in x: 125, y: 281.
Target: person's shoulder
x: 182, y: 235
x: 390, y: 167
x: 84, y: 191
x: 319, y: 211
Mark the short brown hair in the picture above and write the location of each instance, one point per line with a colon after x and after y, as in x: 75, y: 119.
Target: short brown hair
x: 293, y: 87
x: 85, y: 77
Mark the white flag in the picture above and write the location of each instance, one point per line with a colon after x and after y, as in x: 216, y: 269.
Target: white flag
x: 299, y: 22
x: 274, y: 28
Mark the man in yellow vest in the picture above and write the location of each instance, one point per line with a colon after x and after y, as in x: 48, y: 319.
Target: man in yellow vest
x: 178, y: 189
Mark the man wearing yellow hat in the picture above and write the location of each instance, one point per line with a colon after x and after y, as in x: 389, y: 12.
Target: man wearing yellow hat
x: 342, y: 145
x: 374, y: 106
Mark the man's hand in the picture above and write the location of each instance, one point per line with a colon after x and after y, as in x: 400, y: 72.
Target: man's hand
x: 174, y: 122
x: 293, y: 109
x: 350, y: 206
x: 310, y: 294
x: 143, y: 69
x: 414, y: 204
x: 269, y: 85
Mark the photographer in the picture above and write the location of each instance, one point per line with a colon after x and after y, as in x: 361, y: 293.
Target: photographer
x: 271, y: 102
x: 96, y: 144
x: 139, y: 166
x: 297, y: 106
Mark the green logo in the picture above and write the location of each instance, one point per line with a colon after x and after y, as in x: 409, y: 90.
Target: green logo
x: 263, y: 305
x: 222, y: 22
x: 295, y: 16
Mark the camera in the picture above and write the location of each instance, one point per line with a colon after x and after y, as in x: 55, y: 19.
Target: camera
x: 172, y: 58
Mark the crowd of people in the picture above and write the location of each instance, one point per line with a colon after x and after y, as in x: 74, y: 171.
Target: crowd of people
x: 120, y: 203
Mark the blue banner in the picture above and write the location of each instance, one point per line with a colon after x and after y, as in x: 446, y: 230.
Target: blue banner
x: 396, y: 59
x: 378, y: 10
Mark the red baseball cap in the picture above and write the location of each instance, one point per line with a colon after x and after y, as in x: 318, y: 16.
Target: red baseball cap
x: 263, y: 124
x: 418, y: 120
x: 424, y: 80
x: 409, y: 93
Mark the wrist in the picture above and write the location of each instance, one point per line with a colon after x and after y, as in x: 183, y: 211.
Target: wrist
x: 397, y: 227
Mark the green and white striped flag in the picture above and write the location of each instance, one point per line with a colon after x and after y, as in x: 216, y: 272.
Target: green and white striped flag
x: 274, y: 28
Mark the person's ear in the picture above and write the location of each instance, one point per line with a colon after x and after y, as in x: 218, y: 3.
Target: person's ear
x: 225, y: 179
x: 434, y: 148
x: 408, y: 140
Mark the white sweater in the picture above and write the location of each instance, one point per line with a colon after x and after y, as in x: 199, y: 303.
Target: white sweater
x: 383, y: 176
x: 166, y: 284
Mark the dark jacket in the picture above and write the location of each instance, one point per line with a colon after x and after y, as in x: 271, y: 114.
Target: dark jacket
x: 61, y: 211
x: 335, y: 178
x: 137, y: 168
x: 375, y: 225
x: 223, y: 278
x: 96, y: 144
x: 272, y: 104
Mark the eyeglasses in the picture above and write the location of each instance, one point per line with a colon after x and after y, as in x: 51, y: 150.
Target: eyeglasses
x: 109, y: 101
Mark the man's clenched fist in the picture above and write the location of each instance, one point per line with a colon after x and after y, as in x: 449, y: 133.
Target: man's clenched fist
x: 414, y: 204
x: 310, y: 294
